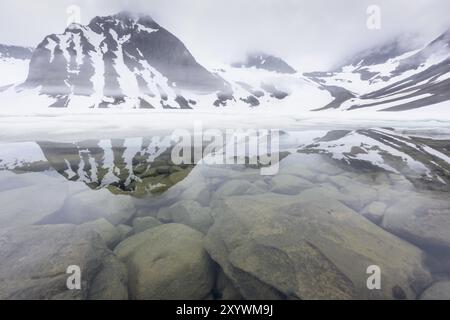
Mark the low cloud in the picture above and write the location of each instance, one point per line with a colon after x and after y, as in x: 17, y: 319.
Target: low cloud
x: 310, y: 35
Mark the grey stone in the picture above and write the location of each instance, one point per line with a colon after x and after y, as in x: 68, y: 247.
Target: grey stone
x: 106, y: 230
x: 236, y: 187
x: 354, y: 194
x: 188, y: 212
x: 167, y: 262
x: 274, y: 246
x: 31, y: 204
x: 125, y: 231
x: 288, y: 184
x: 421, y: 220
x: 92, y: 205
x: 374, y: 211
x: 34, y: 261
x: 224, y: 288
x: 438, y: 291
x: 145, y: 223
x: 198, y: 191
x: 111, y: 283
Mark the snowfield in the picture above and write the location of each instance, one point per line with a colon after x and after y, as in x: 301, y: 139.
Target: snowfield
x: 13, y: 71
x: 64, y: 125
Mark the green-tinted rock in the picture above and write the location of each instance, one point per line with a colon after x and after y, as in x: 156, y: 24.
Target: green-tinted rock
x: 144, y: 223
x: 167, y: 262
x: 111, y: 283
x: 188, y: 212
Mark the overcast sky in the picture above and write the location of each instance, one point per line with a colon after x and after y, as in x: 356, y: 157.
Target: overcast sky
x: 309, y: 34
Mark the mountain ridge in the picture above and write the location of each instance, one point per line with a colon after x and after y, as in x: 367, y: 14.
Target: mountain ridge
x: 404, y: 80
x: 261, y: 60
x: 131, y: 61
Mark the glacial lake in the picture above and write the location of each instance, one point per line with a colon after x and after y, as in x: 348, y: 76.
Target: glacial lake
x: 348, y: 214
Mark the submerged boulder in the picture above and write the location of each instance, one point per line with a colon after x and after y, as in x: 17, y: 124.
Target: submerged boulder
x: 289, y: 184
x: 273, y: 246
x: 167, y: 262
x: 34, y: 261
x: 188, y: 212
x: 422, y: 220
x: 144, y: 223
x: 111, y: 283
x: 438, y: 291
x: 198, y: 192
x: 91, y: 205
x: 374, y: 211
x: 224, y: 288
x: 31, y: 204
x: 109, y: 234
x: 125, y: 231
x: 235, y: 187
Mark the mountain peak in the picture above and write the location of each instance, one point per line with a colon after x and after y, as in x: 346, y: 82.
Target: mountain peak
x: 125, y: 18
x: 261, y: 60
x: 117, y: 56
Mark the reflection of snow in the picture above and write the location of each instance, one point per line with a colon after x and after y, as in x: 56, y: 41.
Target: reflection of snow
x: 436, y: 153
x: 14, y: 155
x: 69, y: 171
x: 155, y: 186
x: 108, y: 162
x: 374, y: 151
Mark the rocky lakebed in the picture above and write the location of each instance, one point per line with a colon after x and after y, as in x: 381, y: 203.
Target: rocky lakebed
x: 140, y: 227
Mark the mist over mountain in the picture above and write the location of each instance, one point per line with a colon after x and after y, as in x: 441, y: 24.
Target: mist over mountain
x: 128, y: 60
x: 265, y: 61
x: 185, y: 151
x: 394, y: 77
x: 15, y: 52
x: 113, y: 50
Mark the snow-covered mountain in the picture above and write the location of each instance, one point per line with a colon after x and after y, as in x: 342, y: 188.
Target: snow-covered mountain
x: 265, y: 61
x: 393, y: 77
x: 130, y: 61
x: 116, y: 58
x: 14, y: 62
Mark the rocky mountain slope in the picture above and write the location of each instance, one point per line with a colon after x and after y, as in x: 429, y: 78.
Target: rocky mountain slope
x: 393, y: 77
x: 131, y: 61
x: 115, y: 58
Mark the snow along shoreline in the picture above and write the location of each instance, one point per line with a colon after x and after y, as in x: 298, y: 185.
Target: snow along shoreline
x: 67, y: 125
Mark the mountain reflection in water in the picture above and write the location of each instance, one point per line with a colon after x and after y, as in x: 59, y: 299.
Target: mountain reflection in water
x: 135, y: 166
x: 341, y: 201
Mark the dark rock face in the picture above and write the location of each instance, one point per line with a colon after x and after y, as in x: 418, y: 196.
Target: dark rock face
x: 251, y: 100
x: 266, y: 62
x: 15, y: 52
x: 339, y: 94
x: 274, y: 92
x: 110, y: 46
